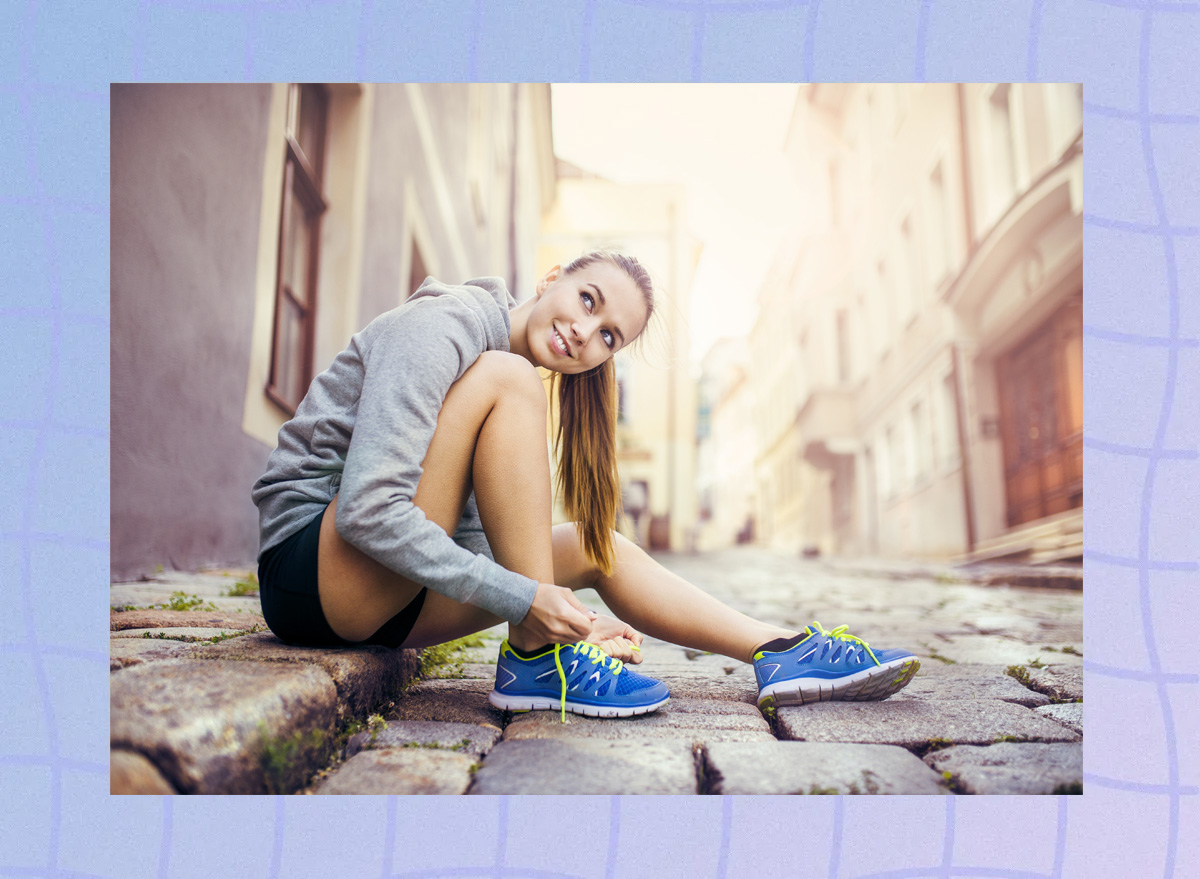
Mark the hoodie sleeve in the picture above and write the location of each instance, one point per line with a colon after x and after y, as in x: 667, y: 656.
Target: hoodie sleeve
x: 408, y: 370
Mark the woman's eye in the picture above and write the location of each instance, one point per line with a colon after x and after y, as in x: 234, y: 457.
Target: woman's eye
x: 609, y: 339
x: 587, y: 300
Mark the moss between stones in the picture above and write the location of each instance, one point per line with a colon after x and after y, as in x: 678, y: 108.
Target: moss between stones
x: 287, y: 760
x: 446, y: 660
x: 436, y: 746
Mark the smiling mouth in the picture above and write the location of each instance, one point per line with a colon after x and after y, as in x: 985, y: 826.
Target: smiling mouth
x: 560, y: 342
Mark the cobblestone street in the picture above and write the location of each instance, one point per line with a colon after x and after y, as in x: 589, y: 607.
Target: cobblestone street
x: 204, y: 700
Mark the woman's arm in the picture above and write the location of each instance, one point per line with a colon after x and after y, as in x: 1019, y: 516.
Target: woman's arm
x: 409, y: 367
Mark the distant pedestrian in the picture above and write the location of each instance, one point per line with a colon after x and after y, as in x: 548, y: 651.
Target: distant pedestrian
x: 425, y: 442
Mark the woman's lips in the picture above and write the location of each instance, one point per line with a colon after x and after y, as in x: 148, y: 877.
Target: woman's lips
x: 559, y: 343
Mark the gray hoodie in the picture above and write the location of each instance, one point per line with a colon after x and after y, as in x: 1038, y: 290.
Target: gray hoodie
x: 363, y: 429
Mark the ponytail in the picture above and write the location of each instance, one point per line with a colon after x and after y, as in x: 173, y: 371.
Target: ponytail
x: 586, y: 446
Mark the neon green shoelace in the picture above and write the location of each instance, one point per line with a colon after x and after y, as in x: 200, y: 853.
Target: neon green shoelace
x: 589, y: 651
x: 841, y: 634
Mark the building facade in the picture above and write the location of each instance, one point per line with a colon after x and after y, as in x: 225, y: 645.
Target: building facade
x: 255, y: 228
x: 917, y: 357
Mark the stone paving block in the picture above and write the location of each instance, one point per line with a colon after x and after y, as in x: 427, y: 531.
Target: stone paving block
x: 1062, y: 682
x: 465, y: 738
x: 189, y: 634
x: 968, y: 683
x: 915, y: 723
x: 207, y: 725
x: 163, y: 619
x: 686, y: 684
x: 816, y: 768
x: 145, y: 593
x: 1012, y: 768
x: 124, y: 652
x: 692, y: 720
x: 587, y: 766
x: 448, y: 701
x: 401, y: 772
x: 130, y: 773
x: 972, y: 648
x: 1069, y: 714
x: 365, y: 677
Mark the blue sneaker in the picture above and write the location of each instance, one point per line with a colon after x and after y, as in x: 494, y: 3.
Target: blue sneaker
x: 829, y: 666
x: 598, y: 684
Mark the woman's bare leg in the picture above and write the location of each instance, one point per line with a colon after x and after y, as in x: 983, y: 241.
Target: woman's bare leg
x: 491, y: 433
x: 656, y: 602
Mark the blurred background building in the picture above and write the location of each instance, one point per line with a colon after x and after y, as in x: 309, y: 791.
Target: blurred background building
x: 909, y: 386
x: 916, y: 364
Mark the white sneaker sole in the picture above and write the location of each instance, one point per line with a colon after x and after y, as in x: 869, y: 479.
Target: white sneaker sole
x: 871, y: 685
x: 534, y: 703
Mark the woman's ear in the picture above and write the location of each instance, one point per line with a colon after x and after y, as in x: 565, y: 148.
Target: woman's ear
x: 547, y: 279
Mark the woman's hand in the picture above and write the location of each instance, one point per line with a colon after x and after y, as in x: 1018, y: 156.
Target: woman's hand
x: 555, y: 617
x: 616, y: 639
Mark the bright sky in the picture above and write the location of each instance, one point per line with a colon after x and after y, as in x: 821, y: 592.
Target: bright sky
x: 725, y: 143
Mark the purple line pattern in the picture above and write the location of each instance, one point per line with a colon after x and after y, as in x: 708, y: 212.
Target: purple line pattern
x: 1142, y: 110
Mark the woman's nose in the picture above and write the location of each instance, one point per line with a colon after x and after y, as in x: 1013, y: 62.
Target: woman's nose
x: 582, y: 330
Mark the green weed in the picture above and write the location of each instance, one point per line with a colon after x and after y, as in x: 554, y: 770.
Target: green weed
x: 244, y: 586
x: 183, y: 601
x: 1018, y: 673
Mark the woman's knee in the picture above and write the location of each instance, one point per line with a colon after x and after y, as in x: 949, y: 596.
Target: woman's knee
x: 505, y: 374
x: 572, y: 565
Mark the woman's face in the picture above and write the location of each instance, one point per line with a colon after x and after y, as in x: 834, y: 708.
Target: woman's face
x: 582, y: 319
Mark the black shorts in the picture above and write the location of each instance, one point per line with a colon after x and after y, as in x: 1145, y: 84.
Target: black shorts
x: 287, y: 588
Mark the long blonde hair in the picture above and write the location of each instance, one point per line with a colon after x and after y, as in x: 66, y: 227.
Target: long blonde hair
x: 585, y: 441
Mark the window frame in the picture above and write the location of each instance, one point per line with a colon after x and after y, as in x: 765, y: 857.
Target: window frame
x: 303, y: 180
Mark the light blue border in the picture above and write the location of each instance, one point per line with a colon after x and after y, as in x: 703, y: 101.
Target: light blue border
x: 1142, y: 364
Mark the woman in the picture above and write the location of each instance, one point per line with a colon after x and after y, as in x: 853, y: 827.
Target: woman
x: 409, y: 503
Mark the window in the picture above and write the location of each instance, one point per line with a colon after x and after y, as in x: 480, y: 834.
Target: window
x: 300, y: 220
x: 886, y: 308
x: 1064, y: 107
x: 835, y: 196
x: 939, y: 228
x: 843, y: 346
x: 895, y: 459
x: 920, y: 434
x: 623, y: 402
x: 1000, y: 128
x: 907, y: 283
x: 949, y: 426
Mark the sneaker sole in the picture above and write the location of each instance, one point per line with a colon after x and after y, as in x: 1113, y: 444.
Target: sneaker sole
x: 876, y: 683
x: 534, y: 703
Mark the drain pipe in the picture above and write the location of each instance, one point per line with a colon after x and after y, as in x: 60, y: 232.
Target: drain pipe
x: 956, y: 354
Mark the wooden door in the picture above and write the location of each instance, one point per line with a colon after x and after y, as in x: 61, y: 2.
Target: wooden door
x: 1041, y: 414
